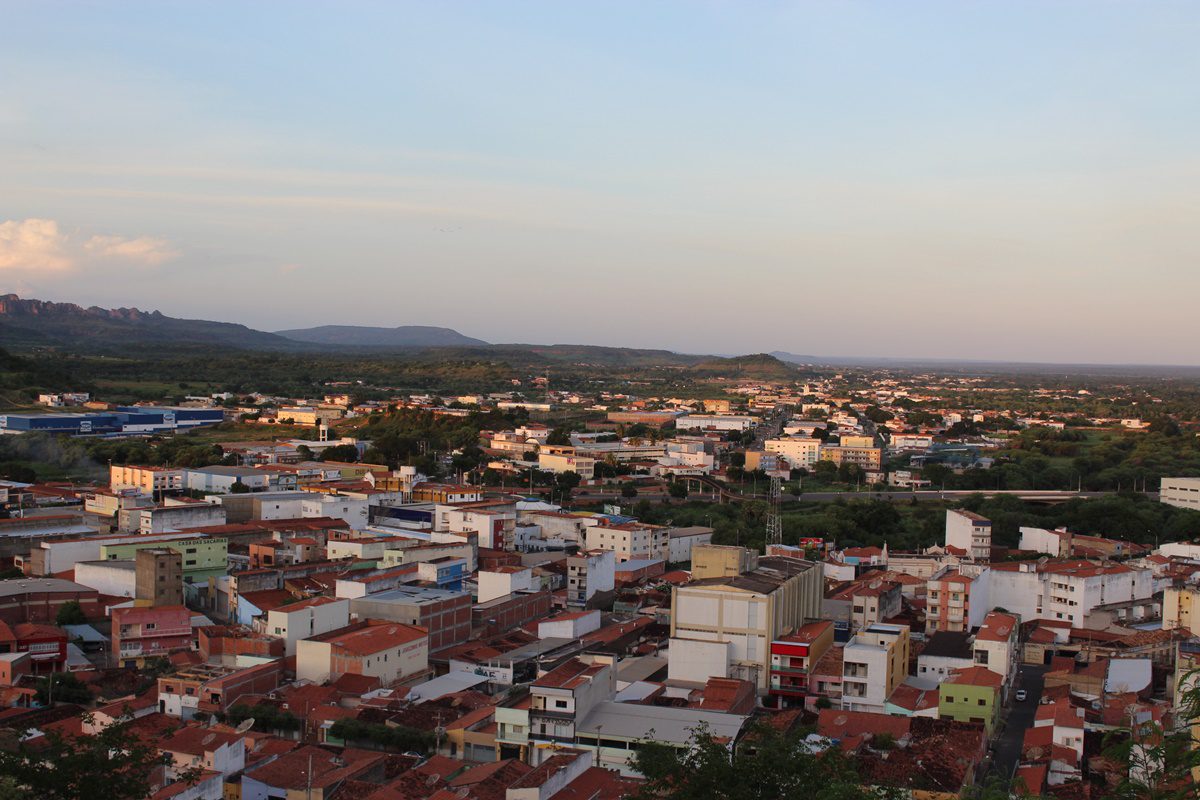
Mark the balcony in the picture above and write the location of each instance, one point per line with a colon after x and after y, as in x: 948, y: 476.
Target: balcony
x: 791, y: 691
x: 551, y: 713
x: 780, y: 668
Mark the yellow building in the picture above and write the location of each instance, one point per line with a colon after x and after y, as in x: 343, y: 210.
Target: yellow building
x: 1179, y: 607
x: 869, y: 458
x: 721, y: 561
x: 147, y: 480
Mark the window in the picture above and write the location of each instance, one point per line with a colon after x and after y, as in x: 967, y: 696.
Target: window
x: 149, y: 626
x: 190, y: 550
x: 190, y: 563
x: 949, y: 699
x: 560, y: 703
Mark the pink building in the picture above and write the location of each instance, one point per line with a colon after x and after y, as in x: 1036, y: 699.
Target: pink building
x: 139, y: 633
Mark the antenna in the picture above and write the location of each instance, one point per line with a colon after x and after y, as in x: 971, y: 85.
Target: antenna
x: 774, y: 515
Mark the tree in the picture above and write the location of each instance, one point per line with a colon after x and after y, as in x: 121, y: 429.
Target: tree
x: 67, y: 689
x: 766, y: 765
x: 115, y: 764
x: 629, y: 490
x: 239, y: 488
x: 340, y: 452
x: 678, y: 489
x: 559, y: 436
x: 70, y: 613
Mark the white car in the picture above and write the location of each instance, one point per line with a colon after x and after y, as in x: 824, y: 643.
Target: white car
x: 1021, y: 695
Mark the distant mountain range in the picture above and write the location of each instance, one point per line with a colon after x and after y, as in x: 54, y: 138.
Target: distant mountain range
x: 37, y: 323
x: 362, y: 336
x: 29, y: 324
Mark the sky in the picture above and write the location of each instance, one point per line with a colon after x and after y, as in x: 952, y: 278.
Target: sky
x: 983, y: 180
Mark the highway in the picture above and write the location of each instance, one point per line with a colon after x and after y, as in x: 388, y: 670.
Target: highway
x: 920, y: 495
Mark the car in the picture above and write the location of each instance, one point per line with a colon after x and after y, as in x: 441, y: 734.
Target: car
x: 1021, y: 695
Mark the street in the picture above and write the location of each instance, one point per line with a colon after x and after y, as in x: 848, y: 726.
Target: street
x: 1007, y: 747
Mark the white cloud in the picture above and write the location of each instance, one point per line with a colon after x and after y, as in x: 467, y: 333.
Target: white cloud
x: 142, y: 250
x: 33, y: 245
x: 39, y: 246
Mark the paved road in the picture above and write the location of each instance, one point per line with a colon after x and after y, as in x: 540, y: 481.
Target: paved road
x: 1007, y: 747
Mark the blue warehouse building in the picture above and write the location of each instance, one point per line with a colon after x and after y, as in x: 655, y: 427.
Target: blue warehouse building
x: 126, y: 420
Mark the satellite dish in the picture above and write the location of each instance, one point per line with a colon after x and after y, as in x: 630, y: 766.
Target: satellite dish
x: 246, y: 725
x: 207, y: 740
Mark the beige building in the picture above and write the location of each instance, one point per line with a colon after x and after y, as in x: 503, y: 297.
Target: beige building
x: 630, y: 540
x: 1180, y: 606
x: 868, y: 458
x: 874, y: 663
x: 584, y: 466
x: 724, y: 626
x: 147, y: 480
x: 1180, y: 492
x: 721, y: 561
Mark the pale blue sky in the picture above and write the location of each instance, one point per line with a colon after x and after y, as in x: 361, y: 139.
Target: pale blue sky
x: 954, y: 179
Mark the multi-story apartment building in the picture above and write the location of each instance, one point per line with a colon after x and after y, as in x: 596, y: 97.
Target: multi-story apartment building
x: 631, y: 540
x: 565, y: 695
x: 868, y: 458
x: 154, y: 481
x: 583, y: 466
x: 139, y: 633
x: 793, y: 657
x: 997, y: 646
x: 970, y: 533
x: 801, y: 452
x: 158, y: 577
x: 874, y: 663
x: 1180, y: 607
x: 1065, y: 589
x: 590, y: 573
x: 955, y: 601
x: 724, y: 626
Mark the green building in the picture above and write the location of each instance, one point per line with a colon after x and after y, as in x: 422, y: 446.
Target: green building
x: 203, y: 556
x: 971, y: 695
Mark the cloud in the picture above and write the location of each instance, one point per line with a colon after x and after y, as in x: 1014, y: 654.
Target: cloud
x: 39, y: 246
x: 33, y: 245
x: 288, y: 268
x: 142, y: 250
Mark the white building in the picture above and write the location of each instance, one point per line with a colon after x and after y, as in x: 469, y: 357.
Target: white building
x: 799, y: 451
x: 715, y: 422
x: 306, y: 619
x: 970, y: 533
x: 389, y: 651
x: 1180, y: 492
x: 996, y: 645
x: 569, y: 625
x: 221, y: 480
x: 630, y: 540
x: 588, y: 573
x: 1065, y: 589
x: 502, y: 582
x: 680, y: 542
x: 874, y: 663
